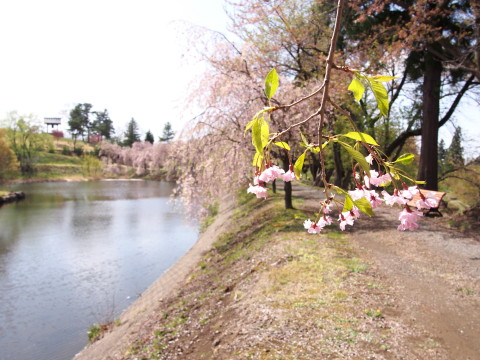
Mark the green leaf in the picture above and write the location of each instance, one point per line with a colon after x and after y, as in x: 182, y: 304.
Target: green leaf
x: 315, y: 149
x: 257, y: 116
x: 304, y: 139
x: 271, y: 83
x: 348, y: 204
x: 340, y: 191
x: 357, y: 88
x: 420, y: 182
x: 257, y: 160
x: 250, y: 124
x: 298, y: 166
x: 405, y: 159
x: 361, y: 137
x: 265, y: 133
x: 282, y: 145
x: 357, y: 156
x: 380, y: 94
x: 303, y: 144
x: 384, y: 78
x: 364, y: 206
x: 257, y: 135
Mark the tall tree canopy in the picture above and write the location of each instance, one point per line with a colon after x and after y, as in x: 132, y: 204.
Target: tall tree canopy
x: 168, y: 134
x: 132, y: 134
x: 79, y: 122
x: 103, y: 125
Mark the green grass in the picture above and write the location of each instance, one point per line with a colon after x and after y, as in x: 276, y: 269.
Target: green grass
x: 57, y: 159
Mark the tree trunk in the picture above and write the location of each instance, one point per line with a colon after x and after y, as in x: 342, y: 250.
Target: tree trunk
x: 288, y: 194
x: 428, y: 169
x: 339, y: 170
x: 287, y: 185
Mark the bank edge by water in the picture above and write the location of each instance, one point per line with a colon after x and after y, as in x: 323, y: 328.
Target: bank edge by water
x: 129, y: 324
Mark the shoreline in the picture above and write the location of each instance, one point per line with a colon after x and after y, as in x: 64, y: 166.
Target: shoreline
x: 116, y: 341
x: 12, y: 196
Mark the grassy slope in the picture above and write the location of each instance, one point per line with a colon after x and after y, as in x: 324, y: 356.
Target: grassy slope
x: 269, y: 290
x: 55, y: 166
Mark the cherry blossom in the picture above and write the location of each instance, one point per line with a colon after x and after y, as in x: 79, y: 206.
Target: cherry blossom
x: 324, y: 221
x: 327, y: 208
x: 393, y: 199
x: 374, y: 198
x: 258, y: 190
x: 348, y: 217
x: 312, y: 227
x: 408, y: 219
x: 357, y: 194
x: 289, y: 175
x: 377, y: 179
x: 427, y: 202
x: 271, y: 173
x: 409, y: 192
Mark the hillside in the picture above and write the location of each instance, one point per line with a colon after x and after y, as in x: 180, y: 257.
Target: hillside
x: 268, y: 290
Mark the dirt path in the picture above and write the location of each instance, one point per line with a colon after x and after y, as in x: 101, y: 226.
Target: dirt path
x: 433, y: 273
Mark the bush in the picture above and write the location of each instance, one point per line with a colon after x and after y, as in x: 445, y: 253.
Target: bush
x: 66, y: 150
x: 57, y: 134
x: 91, y: 166
x: 78, y: 151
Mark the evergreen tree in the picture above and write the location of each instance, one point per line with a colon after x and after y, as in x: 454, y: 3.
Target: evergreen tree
x: 168, y: 133
x: 454, y: 154
x: 442, y: 157
x: 103, y: 125
x: 149, y: 137
x: 79, y: 122
x: 131, y: 135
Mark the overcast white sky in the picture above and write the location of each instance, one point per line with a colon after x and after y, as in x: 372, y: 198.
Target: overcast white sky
x: 121, y: 55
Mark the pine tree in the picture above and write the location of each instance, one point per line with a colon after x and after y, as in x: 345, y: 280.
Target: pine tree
x: 454, y: 155
x: 442, y: 157
x: 168, y: 133
x: 149, y: 137
x: 131, y: 135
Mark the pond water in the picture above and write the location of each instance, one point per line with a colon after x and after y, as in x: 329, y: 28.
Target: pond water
x: 74, y: 254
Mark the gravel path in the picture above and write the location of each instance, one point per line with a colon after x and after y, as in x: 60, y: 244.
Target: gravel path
x: 434, y: 273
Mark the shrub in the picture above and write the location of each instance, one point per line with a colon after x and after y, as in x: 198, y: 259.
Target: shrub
x: 78, y: 151
x: 57, y: 134
x: 66, y: 150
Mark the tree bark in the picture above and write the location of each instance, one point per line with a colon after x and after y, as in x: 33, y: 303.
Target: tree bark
x: 339, y: 170
x: 428, y: 168
x: 287, y: 185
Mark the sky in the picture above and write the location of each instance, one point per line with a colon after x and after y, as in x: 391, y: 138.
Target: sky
x: 126, y: 56
x: 121, y: 55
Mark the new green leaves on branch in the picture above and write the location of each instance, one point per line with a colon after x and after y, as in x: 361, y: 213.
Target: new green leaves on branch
x: 375, y: 84
x: 361, y: 137
x: 271, y: 83
x: 260, y: 134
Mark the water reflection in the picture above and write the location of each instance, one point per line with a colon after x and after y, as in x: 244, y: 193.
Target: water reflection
x: 73, y: 254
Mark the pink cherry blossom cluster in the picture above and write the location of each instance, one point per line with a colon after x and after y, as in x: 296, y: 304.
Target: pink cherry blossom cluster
x: 408, y: 217
x: 269, y: 174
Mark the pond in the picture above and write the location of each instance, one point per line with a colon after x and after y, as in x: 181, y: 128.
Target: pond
x: 77, y: 253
